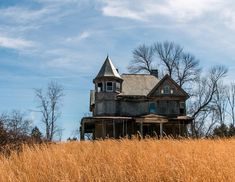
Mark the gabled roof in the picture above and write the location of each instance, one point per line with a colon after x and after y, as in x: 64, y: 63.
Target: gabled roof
x: 137, y: 84
x: 108, y: 70
x: 172, y: 81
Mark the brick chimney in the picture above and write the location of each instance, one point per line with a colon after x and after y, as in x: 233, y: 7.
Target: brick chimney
x: 154, y: 72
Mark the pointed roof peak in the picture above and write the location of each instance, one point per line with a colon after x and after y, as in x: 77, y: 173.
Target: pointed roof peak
x: 108, y: 69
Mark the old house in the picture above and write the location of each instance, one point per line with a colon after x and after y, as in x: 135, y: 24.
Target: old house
x: 127, y: 104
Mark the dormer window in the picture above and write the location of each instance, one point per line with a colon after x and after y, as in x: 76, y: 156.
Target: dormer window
x: 109, y: 86
x: 100, y: 87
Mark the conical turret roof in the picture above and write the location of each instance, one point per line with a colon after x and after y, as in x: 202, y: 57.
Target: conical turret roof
x: 108, y: 70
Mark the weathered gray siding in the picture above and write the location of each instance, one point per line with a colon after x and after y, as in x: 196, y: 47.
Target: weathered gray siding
x: 133, y: 108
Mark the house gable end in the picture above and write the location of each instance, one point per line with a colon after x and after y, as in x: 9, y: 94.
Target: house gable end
x: 167, y: 87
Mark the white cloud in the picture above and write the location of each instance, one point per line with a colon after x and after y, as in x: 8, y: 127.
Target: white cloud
x: 15, y: 43
x: 121, y: 9
x: 24, y: 15
x: 78, y: 38
x: 180, y: 10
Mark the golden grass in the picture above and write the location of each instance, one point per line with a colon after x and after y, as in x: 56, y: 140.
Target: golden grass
x: 124, y: 160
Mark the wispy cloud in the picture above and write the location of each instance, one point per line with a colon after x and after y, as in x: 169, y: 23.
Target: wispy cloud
x: 25, y: 15
x: 77, y: 39
x: 180, y: 10
x: 121, y: 9
x: 15, y: 43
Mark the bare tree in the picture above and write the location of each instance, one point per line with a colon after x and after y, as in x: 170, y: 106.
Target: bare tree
x: 142, y: 59
x: 49, y: 104
x: 16, y: 125
x: 172, y: 60
x: 204, y: 92
x: 220, y: 102
x: 231, y: 102
x: 169, y: 53
x: 187, y: 69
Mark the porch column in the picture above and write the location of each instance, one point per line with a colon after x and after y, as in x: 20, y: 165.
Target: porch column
x: 179, y: 129
x: 161, y: 130
x: 82, y: 131
x: 103, y: 132
x: 114, y: 129
x: 123, y: 128
x: 141, y: 129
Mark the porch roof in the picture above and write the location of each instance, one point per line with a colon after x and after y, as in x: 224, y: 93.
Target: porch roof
x: 104, y: 118
x: 151, y: 118
x: 185, y: 119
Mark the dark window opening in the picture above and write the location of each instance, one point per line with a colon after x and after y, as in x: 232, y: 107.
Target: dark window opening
x: 182, y: 111
x: 109, y: 86
x: 182, y: 105
x: 182, y: 108
x: 100, y: 87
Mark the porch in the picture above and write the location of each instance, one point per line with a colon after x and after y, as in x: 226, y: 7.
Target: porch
x: 118, y: 127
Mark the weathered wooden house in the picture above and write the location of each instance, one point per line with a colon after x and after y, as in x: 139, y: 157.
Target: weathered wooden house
x: 130, y: 104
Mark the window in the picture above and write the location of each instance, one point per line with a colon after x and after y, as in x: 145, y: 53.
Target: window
x: 118, y: 89
x: 100, y: 87
x: 182, y: 105
x: 152, y: 108
x: 166, y: 89
x: 182, y: 108
x: 109, y: 86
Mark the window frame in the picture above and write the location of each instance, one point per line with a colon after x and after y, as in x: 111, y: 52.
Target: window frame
x: 107, y: 90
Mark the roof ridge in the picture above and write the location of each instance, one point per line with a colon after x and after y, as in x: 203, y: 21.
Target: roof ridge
x: 136, y: 74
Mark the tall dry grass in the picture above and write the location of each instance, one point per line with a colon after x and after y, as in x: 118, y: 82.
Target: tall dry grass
x: 124, y: 160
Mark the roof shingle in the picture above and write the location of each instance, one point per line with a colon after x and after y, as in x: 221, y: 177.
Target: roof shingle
x: 138, y: 84
x: 108, y: 70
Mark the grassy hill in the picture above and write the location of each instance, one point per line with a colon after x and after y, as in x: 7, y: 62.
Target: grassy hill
x: 123, y: 160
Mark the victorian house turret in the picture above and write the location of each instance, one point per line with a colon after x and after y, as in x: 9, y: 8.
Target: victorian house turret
x: 131, y: 104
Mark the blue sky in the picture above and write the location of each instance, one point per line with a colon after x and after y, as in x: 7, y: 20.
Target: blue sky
x: 68, y: 40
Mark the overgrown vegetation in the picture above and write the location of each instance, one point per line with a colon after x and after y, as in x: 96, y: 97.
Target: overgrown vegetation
x: 123, y: 160
x: 16, y: 130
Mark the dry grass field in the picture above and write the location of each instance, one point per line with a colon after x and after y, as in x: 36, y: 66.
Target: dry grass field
x: 124, y: 160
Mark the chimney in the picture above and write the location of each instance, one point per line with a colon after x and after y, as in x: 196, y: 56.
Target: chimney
x: 154, y: 73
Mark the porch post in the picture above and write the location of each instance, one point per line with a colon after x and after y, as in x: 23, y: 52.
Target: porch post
x: 123, y: 128
x: 161, y: 130
x: 113, y: 129
x: 179, y: 129
x: 82, y: 131
x: 103, y: 133
x: 141, y: 129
